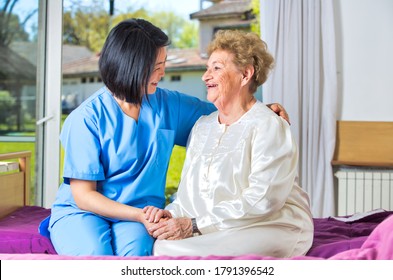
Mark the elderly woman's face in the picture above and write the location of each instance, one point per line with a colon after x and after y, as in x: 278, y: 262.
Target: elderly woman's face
x: 222, y: 78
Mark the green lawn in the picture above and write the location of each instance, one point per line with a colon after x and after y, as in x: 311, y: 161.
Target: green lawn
x: 174, y: 171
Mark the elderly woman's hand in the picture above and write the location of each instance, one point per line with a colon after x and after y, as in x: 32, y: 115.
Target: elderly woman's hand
x: 279, y: 110
x: 172, y: 229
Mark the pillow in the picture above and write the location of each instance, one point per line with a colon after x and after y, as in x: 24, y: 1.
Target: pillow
x: 19, y: 232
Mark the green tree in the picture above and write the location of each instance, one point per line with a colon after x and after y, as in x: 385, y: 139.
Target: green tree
x: 188, y: 38
x: 86, y: 26
x: 255, y: 25
x: 140, y: 13
x: 174, y: 26
x: 90, y: 28
x: 7, y: 107
x: 12, y: 28
x: 89, y: 25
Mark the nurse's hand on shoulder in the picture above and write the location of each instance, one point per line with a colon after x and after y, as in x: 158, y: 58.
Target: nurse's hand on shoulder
x: 279, y: 110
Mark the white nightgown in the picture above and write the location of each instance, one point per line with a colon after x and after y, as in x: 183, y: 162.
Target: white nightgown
x: 240, y: 183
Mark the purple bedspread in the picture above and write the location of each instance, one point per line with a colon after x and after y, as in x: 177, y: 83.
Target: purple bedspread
x: 333, y: 239
x: 332, y: 236
x: 19, y: 232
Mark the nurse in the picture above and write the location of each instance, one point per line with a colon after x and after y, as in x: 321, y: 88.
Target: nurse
x: 117, y: 147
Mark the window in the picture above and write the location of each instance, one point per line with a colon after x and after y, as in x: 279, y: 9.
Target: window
x: 30, y: 89
x: 19, y: 54
x: 175, y: 78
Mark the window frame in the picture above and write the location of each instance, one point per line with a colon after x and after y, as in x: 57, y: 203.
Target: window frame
x: 49, y: 102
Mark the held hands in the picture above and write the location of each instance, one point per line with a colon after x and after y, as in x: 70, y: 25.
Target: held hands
x: 171, y: 229
x: 160, y: 224
x: 154, y: 214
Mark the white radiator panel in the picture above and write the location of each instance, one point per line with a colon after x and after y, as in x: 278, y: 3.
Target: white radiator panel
x: 363, y: 189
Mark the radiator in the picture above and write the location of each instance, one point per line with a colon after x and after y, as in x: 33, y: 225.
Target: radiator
x: 364, y: 189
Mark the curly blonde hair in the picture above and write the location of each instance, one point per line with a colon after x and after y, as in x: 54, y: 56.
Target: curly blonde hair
x: 248, y: 49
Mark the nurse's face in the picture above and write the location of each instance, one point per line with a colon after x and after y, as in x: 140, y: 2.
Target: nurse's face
x: 158, y: 72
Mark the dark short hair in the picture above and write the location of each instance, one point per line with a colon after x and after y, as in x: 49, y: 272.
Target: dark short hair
x: 128, y: 58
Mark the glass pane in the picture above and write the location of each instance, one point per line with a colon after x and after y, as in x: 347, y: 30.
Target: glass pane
x: 18, y: 75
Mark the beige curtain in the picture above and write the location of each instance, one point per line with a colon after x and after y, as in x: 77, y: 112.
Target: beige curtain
x: 300, y: 34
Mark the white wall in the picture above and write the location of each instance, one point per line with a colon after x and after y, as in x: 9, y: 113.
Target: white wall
x: 82, y: 91
x: 365, y: 59
x: 191, y: 83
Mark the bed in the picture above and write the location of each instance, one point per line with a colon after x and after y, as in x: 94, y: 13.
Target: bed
x: 366, y: 235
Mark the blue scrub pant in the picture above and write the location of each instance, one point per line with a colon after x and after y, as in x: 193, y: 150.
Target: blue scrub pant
x: 85, y: 234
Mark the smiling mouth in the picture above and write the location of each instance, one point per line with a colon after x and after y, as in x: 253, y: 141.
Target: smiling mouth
x: 211, y: 86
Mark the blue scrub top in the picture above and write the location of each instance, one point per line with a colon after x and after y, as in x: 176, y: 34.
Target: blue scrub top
x: 127, y: 158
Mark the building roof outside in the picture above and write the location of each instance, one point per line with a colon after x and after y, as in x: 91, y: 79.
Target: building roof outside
x: 87, y: 66
x: 28, y: 50
x: 78, y: 60
x: 177, y: 60
x: 72, y: 52
x: 185, y: 59
x: 224, y: 9
x: 15, y: 68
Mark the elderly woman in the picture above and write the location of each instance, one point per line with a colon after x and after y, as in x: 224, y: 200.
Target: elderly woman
x: 238, y: 192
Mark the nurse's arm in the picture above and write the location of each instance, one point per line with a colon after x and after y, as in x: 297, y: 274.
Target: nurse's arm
x: 87, y: 198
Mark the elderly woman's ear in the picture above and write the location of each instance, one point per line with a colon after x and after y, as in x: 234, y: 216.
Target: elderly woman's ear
x: 248, y: 72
